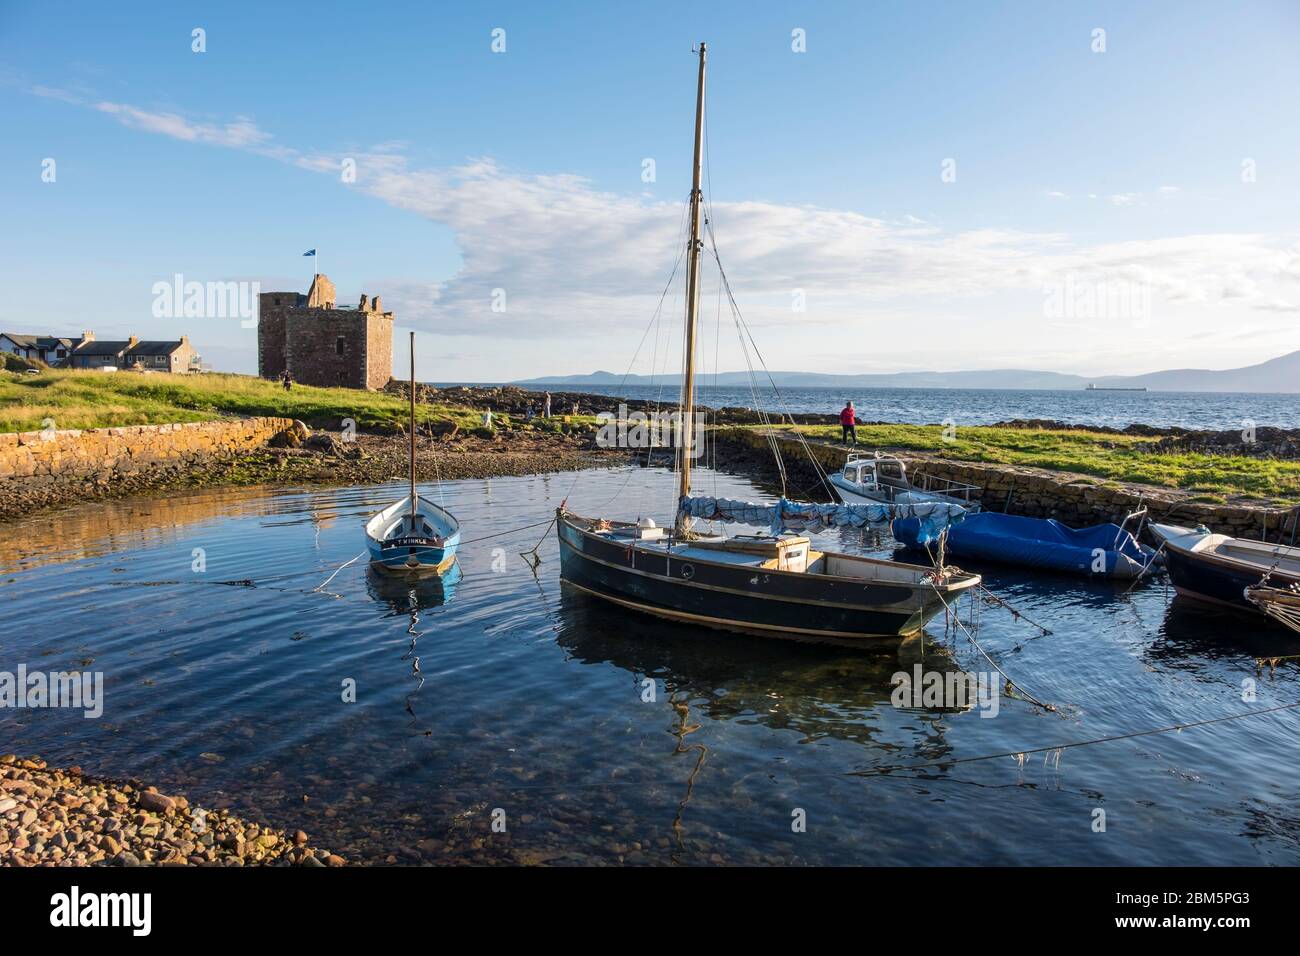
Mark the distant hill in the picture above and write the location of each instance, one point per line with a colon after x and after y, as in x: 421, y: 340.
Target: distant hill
x: 1281, y: 374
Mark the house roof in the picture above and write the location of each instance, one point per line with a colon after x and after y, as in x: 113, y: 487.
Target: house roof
x: 154, y: 348
x: 38, y: 341
x: 103, y: 347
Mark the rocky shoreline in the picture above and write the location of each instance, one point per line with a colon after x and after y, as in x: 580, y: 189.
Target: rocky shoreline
x: 62, y: 817
x: 325, y: 458
x: 300, y: 455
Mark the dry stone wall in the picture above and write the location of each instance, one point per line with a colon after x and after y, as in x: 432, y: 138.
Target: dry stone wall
x: 38, y: 468
x: 1075, y: 500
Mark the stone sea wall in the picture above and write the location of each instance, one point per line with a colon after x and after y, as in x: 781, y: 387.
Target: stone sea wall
x: 39, y: 468
x: 1076, y: 500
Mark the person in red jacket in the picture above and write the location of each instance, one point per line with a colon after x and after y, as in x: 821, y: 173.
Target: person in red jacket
x: 848, y: 419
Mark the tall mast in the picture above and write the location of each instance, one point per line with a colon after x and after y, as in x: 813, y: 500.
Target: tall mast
x: 692, y: 292
x: 415, y: 510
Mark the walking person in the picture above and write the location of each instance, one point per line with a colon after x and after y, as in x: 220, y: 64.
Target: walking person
x: 848, y: 419
x: 288, y: 380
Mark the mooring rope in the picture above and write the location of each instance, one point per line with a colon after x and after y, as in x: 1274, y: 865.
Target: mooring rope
x: 338, y: 569
x: 992, y: 663
x: 1146, y: 567
x: 992, y: 600
x: 1021, y: 754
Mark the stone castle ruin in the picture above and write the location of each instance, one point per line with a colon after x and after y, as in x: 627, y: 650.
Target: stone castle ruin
x: 319, y: 343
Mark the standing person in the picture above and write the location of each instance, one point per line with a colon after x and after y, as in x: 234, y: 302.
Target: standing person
x: 546, y: 405
x: 848, y: 419
x: 288, y: 380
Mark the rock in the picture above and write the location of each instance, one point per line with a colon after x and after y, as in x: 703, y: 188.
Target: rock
x: 7, y: 804
x: 300, y: 838
x: 334, y: 860
x: 156, y: 802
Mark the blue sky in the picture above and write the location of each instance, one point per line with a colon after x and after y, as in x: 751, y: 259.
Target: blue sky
x: 1099, y: 219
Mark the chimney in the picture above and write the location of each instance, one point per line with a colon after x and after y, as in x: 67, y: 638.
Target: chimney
x: 377, y: 307
x: 364, y: 301
x: 88, y: 336
x: 185, y: 340
x: 132, y: 342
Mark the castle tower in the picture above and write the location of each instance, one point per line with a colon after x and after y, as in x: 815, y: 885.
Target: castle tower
x: 321, y: 344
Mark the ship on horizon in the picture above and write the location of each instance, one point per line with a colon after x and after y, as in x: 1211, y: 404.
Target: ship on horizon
x: 1091, y: 387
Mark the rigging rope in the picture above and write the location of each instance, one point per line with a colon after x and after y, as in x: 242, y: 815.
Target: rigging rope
x: 1021, y: 754
x: 747, y: 342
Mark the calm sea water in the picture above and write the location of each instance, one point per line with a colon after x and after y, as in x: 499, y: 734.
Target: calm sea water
x: 985, y: 406
x: 534, y: 699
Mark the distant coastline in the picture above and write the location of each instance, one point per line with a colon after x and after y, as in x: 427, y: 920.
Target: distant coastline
x: 1280, y: 375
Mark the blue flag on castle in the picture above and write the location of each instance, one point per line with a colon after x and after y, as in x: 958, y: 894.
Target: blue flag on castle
x: 310, y: 252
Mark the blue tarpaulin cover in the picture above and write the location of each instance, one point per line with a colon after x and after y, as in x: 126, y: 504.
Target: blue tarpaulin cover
x: 929, y: 518
x: 1104, y: 550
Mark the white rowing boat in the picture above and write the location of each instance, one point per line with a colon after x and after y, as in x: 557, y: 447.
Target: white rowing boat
x: 413, y: 536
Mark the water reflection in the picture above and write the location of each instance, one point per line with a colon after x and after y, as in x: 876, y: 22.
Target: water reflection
x: 507, y: 690
x: 411, y: 597
x: 815, y: 691
x: 1192, y: 629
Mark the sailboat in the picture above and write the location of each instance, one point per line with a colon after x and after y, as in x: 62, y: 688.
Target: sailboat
x: 773, y: 584
x: 413, y: 536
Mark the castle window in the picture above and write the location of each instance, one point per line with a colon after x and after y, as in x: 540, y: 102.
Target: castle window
x: 339, y: 344
x: 277, y: 300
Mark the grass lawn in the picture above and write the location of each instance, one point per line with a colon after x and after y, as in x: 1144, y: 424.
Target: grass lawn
x: 1106, y: 456
x: 88, y: 399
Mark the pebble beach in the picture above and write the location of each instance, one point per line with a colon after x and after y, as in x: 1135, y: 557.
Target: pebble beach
x: 62, y: 817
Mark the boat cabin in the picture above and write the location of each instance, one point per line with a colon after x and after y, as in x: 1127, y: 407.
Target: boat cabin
x: 872, y: 474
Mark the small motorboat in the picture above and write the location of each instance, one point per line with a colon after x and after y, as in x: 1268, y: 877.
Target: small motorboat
x: 413, y: 536
x: 1103, y: 551
x: 1219, y: 568
x: 876, y: 479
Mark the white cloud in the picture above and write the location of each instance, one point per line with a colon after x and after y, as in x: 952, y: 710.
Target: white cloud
x: 241, y: 133
x: 578, y: 261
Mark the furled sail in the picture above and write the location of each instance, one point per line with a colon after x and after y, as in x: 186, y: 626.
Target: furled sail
x: 786, y: 515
